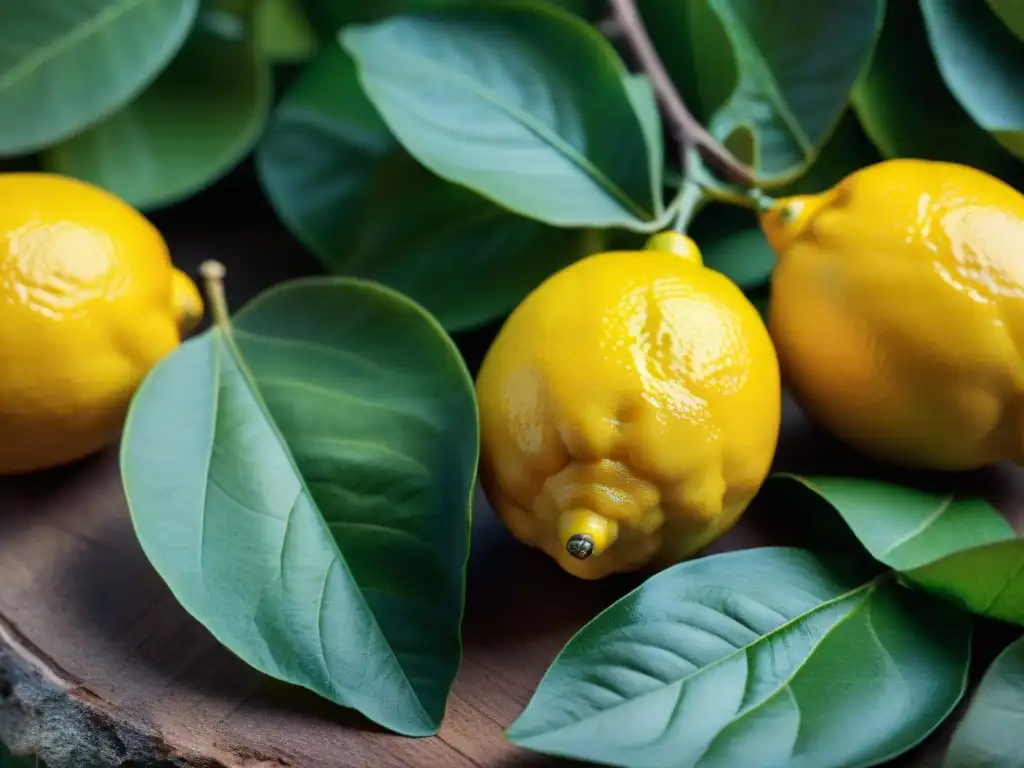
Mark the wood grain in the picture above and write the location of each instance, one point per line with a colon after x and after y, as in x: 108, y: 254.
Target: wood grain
x: 99, y: 666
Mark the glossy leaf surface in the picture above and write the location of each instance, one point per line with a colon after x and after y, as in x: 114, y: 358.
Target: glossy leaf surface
x: 796, y: 64
x: 527, y: 105
x: 955, y: 546
x: 982, y: 63
x: 735, y: 659
x: 340, y: 181
x: 986, y: 579
x: 176, y: 138
x: 989, y: 735
x: 304, y: 491
x: 906, y: 108
x: 329, y: 16
x: 65, y: 65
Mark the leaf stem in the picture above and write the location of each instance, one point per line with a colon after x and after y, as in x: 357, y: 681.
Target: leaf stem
x: 689, y: 133
x: 213, y: 272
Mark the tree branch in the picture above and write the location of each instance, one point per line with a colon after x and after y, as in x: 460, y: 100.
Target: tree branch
x: 689, y: 133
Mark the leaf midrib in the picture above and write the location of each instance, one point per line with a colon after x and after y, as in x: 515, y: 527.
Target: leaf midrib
x: 540, y: 130
x: 789, y: 119
x: 39, y: 57
x: 869, y: 585
x: 250, y: 380
x: 921, y: 527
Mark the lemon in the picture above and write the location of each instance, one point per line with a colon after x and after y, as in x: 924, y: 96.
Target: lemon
x: 89, y: 302
x: 629, y: 410
x: 898, y: 312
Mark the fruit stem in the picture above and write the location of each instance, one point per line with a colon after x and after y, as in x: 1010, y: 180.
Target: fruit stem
x: 690, y: 200
x: 689, y: 133
x: 752, y: 198
x: 213, y: 272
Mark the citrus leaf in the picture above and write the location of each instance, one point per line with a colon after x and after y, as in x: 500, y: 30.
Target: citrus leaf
x: 176, y: 138
x: 848, y: 149
x: 1011, y: 13
x: 904, y: 527
x: 63, y: 66
x: 906, y: 108
x: 743, y: 256
x: 303, y: 486
x: 797, y: 63
x: 988, y: 736
x: 342, y: 184
x: 731, y: 242
x: 736, y: 659
x: 958, y: 547
x: 691, y: 41
x: 986, y: 579
x: 329, y: 16
x: 982, y: 63
x: 283, y: 33
x: 524, y: 104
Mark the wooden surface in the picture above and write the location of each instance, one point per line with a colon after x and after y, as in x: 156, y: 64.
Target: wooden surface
x: 100, y: 666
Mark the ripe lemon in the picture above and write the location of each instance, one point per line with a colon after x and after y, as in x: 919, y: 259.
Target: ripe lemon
x: 629, y: 410
x: 898, y: 311
x: 89, y: 302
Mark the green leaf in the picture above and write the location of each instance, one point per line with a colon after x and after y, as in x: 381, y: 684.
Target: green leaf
x: 303, y: 485
x: 329, y: 16
x: 848, y: 149
x: 904, y: 527
x: 988, y: 736
x: 982, y: 63
x: 957, y: 547
x: 906, y: 108
x: 743, y: 256
x: 64, y: 66
x: 177, y: 138
x: 695, y: 50
x: 797, y: 63
x: 732, y: 243
x: 335, y: 175
x: 756, y: 657
x: 1011, y: 13
x: 527, y: 105
x: 987, y: 579
x: 283, y: 33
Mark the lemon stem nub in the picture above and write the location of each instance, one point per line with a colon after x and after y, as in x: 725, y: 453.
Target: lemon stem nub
x: 586, y: 534
x: 213, y: 273
x: 580, y: 545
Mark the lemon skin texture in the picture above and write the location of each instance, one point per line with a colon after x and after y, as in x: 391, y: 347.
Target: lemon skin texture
x: 898, y: 312
x: 629, y: 409
x: 89, y: 302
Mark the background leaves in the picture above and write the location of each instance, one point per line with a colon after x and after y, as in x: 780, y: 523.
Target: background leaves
x: 735, y: 659
x: 64, y: 66
x: 177, y: 137
x: 523, y: 104
x: 310, y: 502
x: 982, y: 64
x: 796, y: 64
x: 333, y: 171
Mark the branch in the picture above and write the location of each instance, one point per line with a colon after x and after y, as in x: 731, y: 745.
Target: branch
x: 689, y: 133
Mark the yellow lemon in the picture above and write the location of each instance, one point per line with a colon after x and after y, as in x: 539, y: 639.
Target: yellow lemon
x: 89, y: 302
x: 629, y: 410
x: 898, y: 311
